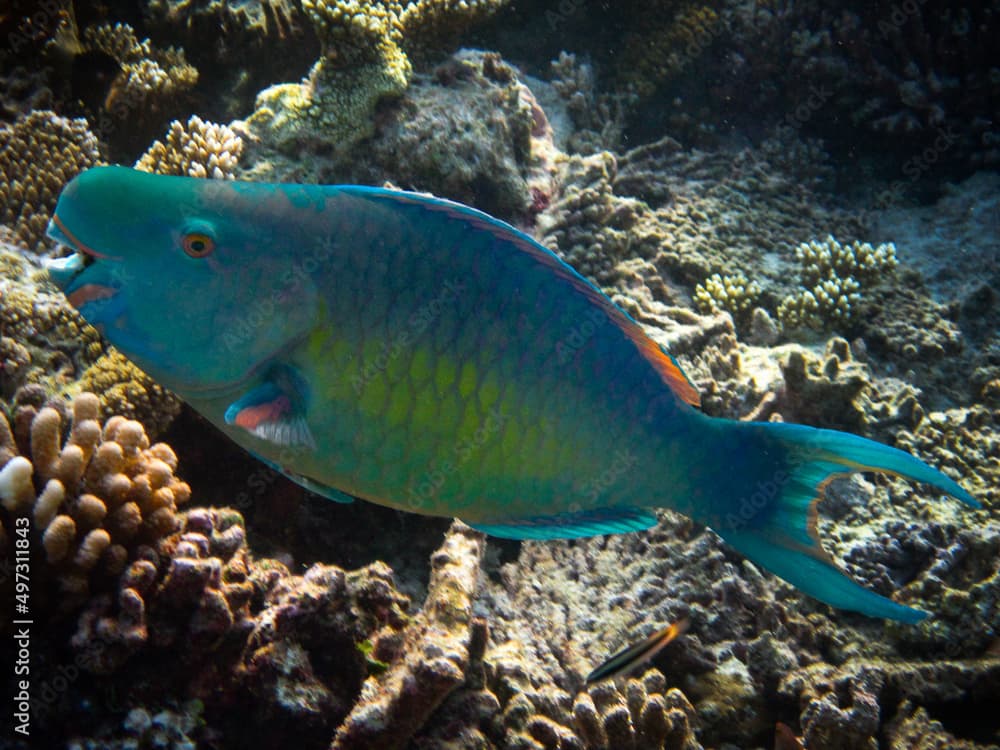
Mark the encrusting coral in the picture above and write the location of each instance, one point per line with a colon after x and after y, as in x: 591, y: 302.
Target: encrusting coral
x: 194, y: 149
x: 39, y: 154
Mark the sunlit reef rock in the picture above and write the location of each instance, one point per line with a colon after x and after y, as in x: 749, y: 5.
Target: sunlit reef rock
x: 363, y: 62
x: 471, y: 130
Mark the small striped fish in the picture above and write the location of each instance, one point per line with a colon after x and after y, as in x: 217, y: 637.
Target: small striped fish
x: 629, y: 658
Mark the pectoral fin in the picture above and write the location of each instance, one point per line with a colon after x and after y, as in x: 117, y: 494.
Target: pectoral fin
x: 274, y: 411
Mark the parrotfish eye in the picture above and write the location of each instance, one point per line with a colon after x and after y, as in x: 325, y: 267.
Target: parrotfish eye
x: 198, y: 244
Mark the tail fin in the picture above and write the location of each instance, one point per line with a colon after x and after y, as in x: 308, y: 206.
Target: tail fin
x: 782, y: 536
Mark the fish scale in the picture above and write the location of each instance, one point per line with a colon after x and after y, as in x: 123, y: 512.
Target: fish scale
x: 422, y: 355
x: 459, y: 337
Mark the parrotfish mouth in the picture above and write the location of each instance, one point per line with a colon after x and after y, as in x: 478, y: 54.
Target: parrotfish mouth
x: 65, y: 271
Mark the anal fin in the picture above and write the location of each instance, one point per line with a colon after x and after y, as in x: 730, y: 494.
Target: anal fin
x: 572, y: 524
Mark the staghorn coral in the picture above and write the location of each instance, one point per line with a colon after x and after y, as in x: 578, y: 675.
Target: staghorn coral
x: 834, y: 275
x: 194, y: 149
x: 39, y: 154
x: 93, y: 498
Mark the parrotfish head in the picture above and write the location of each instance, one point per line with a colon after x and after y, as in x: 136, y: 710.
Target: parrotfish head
x: 188, y: 278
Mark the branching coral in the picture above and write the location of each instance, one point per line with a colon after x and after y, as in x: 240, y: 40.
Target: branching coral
x: 599, y: 118
x: 238, y: 48
x: 834, y: 275
x: 734, y: 294
x: 39, y: 154
x: 191, y: 587
x: 194, y: 149
x: 147, y: 72
x: 666, y: 38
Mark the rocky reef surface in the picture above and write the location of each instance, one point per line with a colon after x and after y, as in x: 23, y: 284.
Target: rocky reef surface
x: 231, y: 609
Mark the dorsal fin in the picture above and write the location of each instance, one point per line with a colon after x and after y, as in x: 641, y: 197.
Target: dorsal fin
x: 661, y: 361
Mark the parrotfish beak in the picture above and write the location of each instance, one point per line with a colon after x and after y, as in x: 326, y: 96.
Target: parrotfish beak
x: 66, y: 272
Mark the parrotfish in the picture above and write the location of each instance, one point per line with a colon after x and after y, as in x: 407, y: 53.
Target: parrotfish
x: 417, y: 353
x: 630, y: 658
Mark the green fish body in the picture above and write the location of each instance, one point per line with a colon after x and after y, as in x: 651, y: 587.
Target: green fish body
x: 422, y: 355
